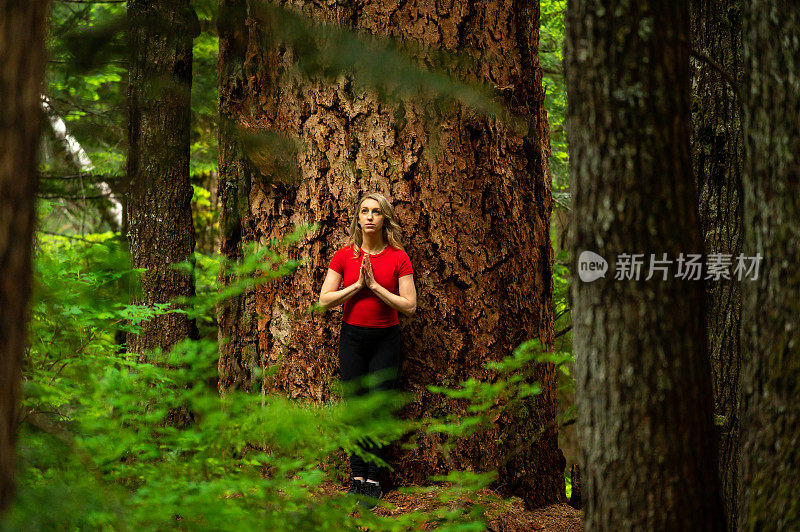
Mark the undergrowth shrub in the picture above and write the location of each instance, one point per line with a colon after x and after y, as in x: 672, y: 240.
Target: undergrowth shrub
x: 94, y: 450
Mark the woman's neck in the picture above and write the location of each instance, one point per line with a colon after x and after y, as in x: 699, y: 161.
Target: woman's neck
x: 373, y: 244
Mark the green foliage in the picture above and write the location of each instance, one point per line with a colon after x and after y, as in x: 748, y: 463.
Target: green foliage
x: 95, y: 449
x: 204, y: 101
x: 90, y: 103
x: 488, y: 400
x: 201, y: 202
x: 86, y: 84
x: 87, y: 80
x: 568, y: 484
x: 551, y: 56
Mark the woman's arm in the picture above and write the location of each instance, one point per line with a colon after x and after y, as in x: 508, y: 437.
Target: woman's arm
x: 330, y: 297
x: 405, y: 302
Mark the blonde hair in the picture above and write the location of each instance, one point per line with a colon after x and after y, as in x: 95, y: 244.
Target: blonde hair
x: 391, y: 228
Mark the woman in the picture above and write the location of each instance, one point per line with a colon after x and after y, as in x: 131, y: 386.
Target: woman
x: 378, y: 283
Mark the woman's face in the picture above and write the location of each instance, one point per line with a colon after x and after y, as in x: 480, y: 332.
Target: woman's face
x: 370, y: 216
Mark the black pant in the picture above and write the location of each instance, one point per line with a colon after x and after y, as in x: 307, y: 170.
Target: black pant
x: 365, y: 350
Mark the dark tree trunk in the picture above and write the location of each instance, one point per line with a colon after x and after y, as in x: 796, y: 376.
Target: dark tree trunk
x: 475, y: 210
x: 717, y: 162
x: 159, y: 209
x: 771, y: 306
x: 238, y: 338
x: 23, y: 24
x: 643, y: 379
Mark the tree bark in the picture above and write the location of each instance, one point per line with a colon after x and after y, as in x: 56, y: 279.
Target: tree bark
x: 642, y: 371
x: 716, y: 143
x: 159, y: 211
x: 771, y: 308
x: 23, y: 25
x: 474, y: 205
x: 236, y: 317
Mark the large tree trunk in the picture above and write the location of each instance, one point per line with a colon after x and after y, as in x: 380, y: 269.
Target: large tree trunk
x: 642, y: 371
x: 23, y: 24
x: 771, y: 307
x: 159, y: 210
x: 717, y: 162
x: 475, y: 210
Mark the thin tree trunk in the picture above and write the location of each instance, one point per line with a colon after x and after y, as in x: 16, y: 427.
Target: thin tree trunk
x: 771, y: 306
x: 159, y: 209
x: 23, y: 24
x: 475, y: 209
x: 643, y: 380
x: 110, y: 210
x: 717, y: 162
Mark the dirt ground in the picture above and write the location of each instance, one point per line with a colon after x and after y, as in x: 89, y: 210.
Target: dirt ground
x: 505, y: 515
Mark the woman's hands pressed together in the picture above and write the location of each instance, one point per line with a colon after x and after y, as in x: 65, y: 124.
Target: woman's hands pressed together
x: 361, y: 282
x: 367, y: 277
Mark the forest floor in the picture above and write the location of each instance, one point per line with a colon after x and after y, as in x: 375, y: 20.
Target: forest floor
x: 505, y: 515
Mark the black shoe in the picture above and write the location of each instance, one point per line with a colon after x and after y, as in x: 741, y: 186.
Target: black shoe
x: 371, y: 492
x: 355, y: 487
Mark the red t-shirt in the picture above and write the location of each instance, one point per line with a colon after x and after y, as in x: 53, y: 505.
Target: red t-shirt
x: 365, y: 308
